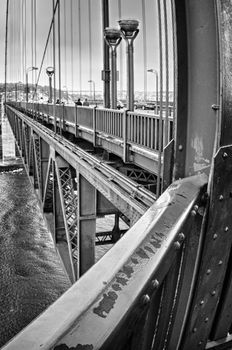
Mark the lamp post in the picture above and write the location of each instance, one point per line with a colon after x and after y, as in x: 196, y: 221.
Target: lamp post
x: 113, y: 38
x: 129, y: 30
x: 27, y: 71
x: 93, y: 82
x: 154, y: 71
x: 50, y: 72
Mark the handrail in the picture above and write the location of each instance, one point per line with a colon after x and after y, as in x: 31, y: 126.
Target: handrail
x: 142, y: 129
x: 115, y: 293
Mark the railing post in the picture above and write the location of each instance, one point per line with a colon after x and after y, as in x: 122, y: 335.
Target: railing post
x: 94, y: 126
x: 76, y: 125
x: 125, y: 150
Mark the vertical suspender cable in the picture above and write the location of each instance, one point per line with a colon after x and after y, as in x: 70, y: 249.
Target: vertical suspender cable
x: 59, y: 60
x: 144, y: 50
x: 161, y: 99
x: 65, y: 47
x: 6, y: 48
x: 174, y: 64
x: 106, y: 55
x: 32, y: 39
x: 35, y: 39
x: 90, y: 44
x: 25, y: 36
x: 167, y: 74
x: 71, y: 14
x: 54, y: 52
x: 80, y: 63
x: 54, y: 64
x: 121, y: 53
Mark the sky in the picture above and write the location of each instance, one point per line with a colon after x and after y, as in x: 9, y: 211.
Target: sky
x: 80, y: 60
x: 2, y: 38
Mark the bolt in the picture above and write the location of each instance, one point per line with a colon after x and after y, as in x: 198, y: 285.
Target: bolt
x: 181, y: 236
x: 208, y: 271
x: 145, y: 299
x: 221, y: 197
x: 193, y: 213
x: 204, y: 198
x: 155, y: 284
x: 215, y: 107
x: 226, y: 228
x: 201, y: 302
x: 200, y: 342
x: 206, y: 319
x: 224, y: 155
x: 196, y: 207
x: 213, y: 292
x: 215, y: 236
x: 177, y: 245
x: 220, y: 262
x: 180, y: 147
x: 194, y: 330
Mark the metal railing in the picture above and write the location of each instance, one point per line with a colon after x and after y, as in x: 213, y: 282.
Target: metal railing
x: 122, y: 301
x: 137, y: 128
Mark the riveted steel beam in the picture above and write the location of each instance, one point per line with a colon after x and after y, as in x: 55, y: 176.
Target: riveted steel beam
x: 133, y: 271
x: 125, y: 195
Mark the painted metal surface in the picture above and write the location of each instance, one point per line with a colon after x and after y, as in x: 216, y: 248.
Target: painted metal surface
x: 198, y: 85
x: 215, y: 255
x: 125, y: 280
x: 123, y: 193
x: 122, y: 129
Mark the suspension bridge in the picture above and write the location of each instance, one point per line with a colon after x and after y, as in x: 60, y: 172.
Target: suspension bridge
x: 166, y: 172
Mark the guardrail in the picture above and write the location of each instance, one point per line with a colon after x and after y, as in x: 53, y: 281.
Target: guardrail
x: 137, y: 128
x: 137, y: 296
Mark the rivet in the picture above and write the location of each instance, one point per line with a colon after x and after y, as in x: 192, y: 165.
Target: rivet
x: 194, y: 330
x: 208, y: 271
x: 145, y: 299
x: 155, y: 284
x: 215, y: 236
x: 206, y: 319
x: 220, y: 262
x: 201, y: 302
x: 213, y: 292
x: 215, y: 107
x: 224, y: 155
x: 226, y: 228
x: 180, y: 147
x: 181, y: 236
x: 177, y: 245
x: 220, y: 197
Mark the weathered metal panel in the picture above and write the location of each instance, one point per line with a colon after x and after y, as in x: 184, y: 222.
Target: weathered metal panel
x: 215, y: 254
x: 124, y: 282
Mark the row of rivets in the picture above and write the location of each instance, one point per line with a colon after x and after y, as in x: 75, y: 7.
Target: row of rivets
x: 181, y: 238
x: 194, y: 210
x: 145, y: 299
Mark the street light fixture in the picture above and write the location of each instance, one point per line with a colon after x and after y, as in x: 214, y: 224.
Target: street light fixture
x: 93, y: 82
x: 27, y: 71
x: 113, y: 38
x: 50, y: 71
x: 129, y: 30
x: 154, y: 71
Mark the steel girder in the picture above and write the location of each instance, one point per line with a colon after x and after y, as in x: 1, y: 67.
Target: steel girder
x: 60, y: 176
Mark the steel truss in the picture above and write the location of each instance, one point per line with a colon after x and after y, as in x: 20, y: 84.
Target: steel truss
x: 66, y: 180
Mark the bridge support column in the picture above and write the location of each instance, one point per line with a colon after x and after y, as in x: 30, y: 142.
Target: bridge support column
x: 87, y: 217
